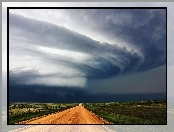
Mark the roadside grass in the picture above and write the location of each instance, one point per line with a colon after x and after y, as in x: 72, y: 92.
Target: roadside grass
x: 142, y: 112
x: 24, y: 111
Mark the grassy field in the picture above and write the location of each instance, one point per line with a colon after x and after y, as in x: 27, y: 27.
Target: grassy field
x: 25, y: 111
x: 143, y: 112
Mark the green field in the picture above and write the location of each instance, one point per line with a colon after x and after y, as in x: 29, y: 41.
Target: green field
x: 24, y: 111
x: 142, y: 112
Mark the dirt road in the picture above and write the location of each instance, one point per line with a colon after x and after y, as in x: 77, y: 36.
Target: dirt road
x: 75, y: 115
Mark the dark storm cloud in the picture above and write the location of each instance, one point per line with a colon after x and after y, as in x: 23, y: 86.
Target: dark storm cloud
x: 103, y: 67
x: 142, y: 29
x: 147, y: 82
x: 41, y: 93
x: 46, y: 34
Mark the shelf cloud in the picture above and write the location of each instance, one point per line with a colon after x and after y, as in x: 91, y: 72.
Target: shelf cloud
x: 88, y: 52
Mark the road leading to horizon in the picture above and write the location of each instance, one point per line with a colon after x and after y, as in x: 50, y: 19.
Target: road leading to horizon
x: 74, y: 115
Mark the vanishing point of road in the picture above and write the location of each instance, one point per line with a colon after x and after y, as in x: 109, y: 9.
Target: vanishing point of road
x: 74, y: 115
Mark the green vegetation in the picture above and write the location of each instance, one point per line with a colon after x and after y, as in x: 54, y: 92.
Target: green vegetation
x: 142, y: 112
x: 24, y: 111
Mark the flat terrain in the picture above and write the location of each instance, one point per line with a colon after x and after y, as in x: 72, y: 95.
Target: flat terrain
x: 134, y: 112
x: 74, y: 115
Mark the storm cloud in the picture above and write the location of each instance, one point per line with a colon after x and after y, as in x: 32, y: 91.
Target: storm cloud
x: 87, y: 52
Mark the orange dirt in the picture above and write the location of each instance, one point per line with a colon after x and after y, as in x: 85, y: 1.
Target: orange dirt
x: 75, y: 115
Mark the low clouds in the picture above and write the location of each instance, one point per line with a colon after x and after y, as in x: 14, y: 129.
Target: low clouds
x: 86, y: 48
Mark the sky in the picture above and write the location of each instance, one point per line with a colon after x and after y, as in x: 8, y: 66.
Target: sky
x: 69, y: 55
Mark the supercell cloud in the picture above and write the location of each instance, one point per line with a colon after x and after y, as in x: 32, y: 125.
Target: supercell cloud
x: 82, y: 54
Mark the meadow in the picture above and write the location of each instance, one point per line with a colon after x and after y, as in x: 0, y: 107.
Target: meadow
x: 135, y: 112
